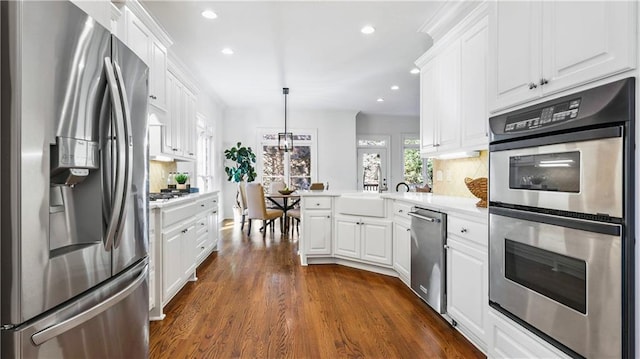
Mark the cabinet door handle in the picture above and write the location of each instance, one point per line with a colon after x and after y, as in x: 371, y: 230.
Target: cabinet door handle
x: 463, y: 230
x: 408, y: 229
x: 400, y: 211
x: 446, y: 246
x: 532, y: 85
x: 174, y: 149
x: 436, y: 145
x: 202, y: 205
x: 190, y: 153
x: 543, y: 81
x: 153, y: 97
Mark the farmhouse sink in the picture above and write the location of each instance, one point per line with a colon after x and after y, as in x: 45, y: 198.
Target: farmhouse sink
x: 361, y: 204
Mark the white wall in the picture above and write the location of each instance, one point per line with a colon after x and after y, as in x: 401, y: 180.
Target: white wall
x: 395, y: 127
x: 336, y: 145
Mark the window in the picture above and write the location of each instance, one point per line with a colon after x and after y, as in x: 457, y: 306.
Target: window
x: 416, y: 169
x: 295, y: 168
x: 205, y: 141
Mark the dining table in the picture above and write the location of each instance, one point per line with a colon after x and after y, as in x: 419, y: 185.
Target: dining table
x: 289, y: 201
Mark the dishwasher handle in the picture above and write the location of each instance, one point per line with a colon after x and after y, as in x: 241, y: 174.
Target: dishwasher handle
x: 428, y: 219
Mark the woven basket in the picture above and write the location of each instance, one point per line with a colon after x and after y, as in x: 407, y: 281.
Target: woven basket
x: 478, y: 187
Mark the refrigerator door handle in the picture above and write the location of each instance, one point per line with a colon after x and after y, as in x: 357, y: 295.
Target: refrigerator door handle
x: 56, y: 330
x: 120, y: 140
x: 128, y: 150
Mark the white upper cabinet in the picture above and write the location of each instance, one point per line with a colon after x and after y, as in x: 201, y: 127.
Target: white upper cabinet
x: 592, y: 41
x: 516, y: 32
x: 448, y: 121
x: 473, y: 85
x: 138, y: 36
x: 453, y: 88
x: 428, y: 105
x: 158, y: 76
x: 541, y: 48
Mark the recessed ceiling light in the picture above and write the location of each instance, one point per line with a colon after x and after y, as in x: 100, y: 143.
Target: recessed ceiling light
x: 395, y: 87
x: 380, y: 99
x: 227, y: 51
x: 367, y: 30
x: 208, y: 14
x: 415, y: 70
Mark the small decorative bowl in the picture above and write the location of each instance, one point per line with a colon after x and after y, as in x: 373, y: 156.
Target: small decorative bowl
x: 478, y: 187
x: 286, y: 192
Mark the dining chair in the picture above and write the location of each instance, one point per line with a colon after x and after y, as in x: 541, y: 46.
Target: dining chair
x: 274, y: 187
x: 294, y: 214
x: 257, y: 208
x: 243, y: 202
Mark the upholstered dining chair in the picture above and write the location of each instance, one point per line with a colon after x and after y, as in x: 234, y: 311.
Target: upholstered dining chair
x: 294, y: 214
x: 274, y: 187
x: 257, y: 208
x: 243, y: 202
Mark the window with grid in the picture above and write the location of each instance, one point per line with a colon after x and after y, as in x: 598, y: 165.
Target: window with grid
x: 416, y: 169
x: 295, y: 168
x: 204, y: 158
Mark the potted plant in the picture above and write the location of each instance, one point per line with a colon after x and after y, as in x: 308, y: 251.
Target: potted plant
x: 244, y: 166
x: 181, y: 179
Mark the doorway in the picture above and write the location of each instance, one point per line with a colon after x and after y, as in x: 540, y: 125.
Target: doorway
x: 369, y: 160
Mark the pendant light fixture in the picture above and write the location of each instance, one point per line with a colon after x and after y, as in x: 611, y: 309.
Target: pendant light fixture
x: 285, y: 139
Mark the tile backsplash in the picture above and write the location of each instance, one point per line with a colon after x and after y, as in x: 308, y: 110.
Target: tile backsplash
x: 448, y: 175
x: 158, y: 173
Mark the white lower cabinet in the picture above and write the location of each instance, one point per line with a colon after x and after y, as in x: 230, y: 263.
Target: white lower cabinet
x: 365, y: 239
x: 317, y: 231
x: 468, y: 277
x: 186, y: 233
x: 402, y: 250
x: 509, y: 340
x: 467, y: 288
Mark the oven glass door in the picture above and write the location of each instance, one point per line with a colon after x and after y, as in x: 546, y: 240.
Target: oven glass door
x: 583, y: 177
x: 561, y: 276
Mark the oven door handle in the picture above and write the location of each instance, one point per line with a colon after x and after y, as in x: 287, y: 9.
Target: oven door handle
x: 574, y: 223
x: 428, y: 219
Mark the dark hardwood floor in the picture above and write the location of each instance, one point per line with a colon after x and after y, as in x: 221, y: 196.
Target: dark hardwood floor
x: 254, y: 300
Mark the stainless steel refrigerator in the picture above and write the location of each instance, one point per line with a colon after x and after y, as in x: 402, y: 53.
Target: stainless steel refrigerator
x: 73, y: 173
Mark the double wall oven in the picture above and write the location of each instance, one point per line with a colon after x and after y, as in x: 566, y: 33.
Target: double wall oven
x: 561, y: 219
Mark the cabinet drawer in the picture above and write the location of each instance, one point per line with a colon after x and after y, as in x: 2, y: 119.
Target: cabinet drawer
x: 207, y: 204
x: 202, y: 225
x: 317, y: 203
x: 178, y: 213
x: 401, y: 209
x: 467, y: 229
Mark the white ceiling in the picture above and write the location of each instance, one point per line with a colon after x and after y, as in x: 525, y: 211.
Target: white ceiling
x: 313, y: 47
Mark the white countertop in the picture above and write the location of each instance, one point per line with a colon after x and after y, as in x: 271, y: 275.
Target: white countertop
x: 462, y: 205
x: 182, y: 199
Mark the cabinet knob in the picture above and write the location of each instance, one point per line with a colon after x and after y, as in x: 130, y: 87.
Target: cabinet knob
x: 543, y: 81
x: 400, y: 211
x: 408, y: 229
x: 174, y: 149
x: 201, y: 247
x: 202, y: 205
x: 153, y: 97
x: 446, y: 246
x: 532, y: 85
x: 328, y: 216
x: 190, y: 153
x: 463, y: 230
x: 436, y: 145
x: 317, y: 204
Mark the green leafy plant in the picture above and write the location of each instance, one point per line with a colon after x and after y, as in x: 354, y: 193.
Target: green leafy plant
x: 244, y: 159
x: 181, y: 178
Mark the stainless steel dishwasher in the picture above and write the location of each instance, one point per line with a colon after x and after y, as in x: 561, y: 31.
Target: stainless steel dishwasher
x: 428, y: 269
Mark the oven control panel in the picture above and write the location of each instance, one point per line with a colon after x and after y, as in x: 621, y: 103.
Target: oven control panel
x: 544, y: 117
